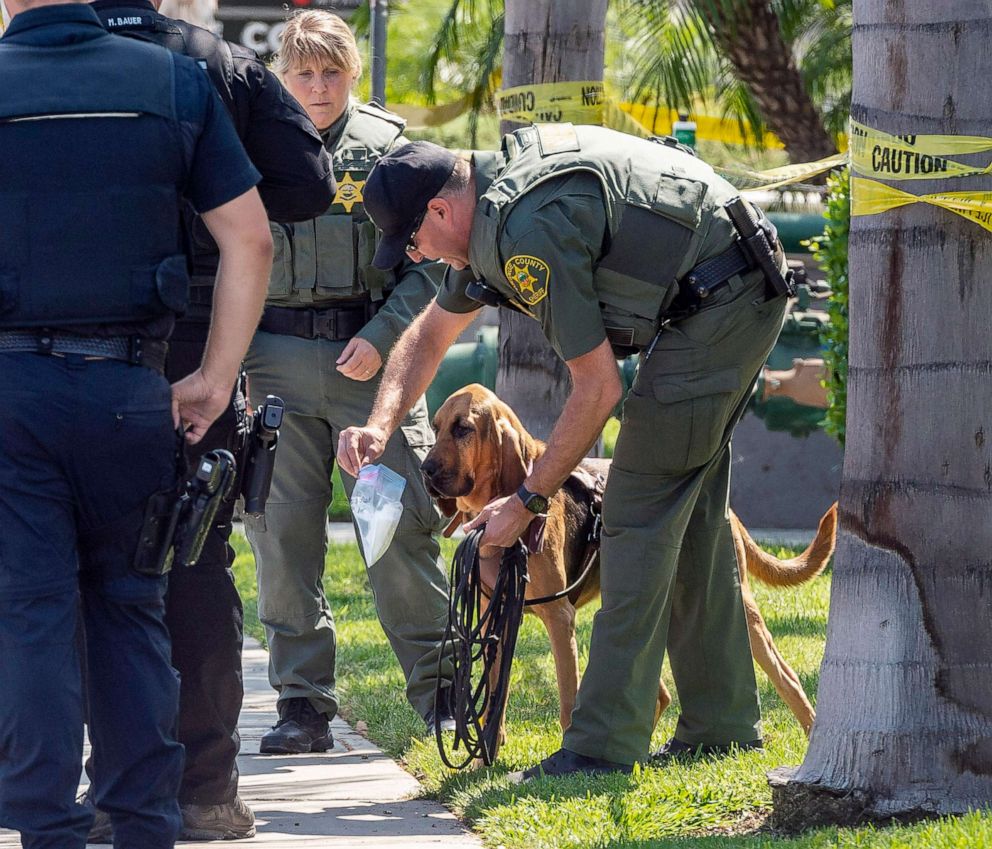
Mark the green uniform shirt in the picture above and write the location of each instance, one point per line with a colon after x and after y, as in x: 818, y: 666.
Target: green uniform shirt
x: 562, y: 223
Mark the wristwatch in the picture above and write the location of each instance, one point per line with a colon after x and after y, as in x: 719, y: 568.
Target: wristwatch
x: 532, y: 501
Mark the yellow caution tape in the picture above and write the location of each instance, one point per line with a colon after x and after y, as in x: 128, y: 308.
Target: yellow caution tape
x: 875, y: 153
x: 586, y: 102
x: 775, y: 177
x: 659, y: 120
x: 869, y: 197
x: 578, y: 102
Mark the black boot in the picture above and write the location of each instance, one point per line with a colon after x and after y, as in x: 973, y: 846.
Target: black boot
x: 566, y: 762
x: 300, y: 729
x: 442, y: 714
x: 677, y: 750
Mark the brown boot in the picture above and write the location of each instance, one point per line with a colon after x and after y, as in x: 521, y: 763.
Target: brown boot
x: 229, y: 821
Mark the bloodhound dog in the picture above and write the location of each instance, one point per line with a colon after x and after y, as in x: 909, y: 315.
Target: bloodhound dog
x: 483, y: 452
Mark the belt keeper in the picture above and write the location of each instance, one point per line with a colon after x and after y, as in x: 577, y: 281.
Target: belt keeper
x: 45, y: 342
x: 135, y: 353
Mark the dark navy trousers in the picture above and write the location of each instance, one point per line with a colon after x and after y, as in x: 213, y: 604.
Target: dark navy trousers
x: 82, y: 446
x: 203, y: 613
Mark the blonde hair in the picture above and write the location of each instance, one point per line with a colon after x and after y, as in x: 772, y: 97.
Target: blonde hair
x: 315, y: 36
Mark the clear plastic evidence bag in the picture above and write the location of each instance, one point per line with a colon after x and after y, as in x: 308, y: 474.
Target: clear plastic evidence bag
x: 376, y: 508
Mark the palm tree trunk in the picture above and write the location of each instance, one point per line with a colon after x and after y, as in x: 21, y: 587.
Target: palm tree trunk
x: 747, y: 33
x: 904, y: 714
x: 545, y: 41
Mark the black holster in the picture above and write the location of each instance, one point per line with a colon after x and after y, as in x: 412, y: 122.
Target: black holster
x: 260, y: 455
x: 154, y: 554
x: 759, y: 241
x: 211, y: 484
x: 176, y: 523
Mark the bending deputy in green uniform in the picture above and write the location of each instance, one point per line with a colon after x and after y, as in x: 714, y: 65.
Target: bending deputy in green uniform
x: 614, y: 244
x: 329, y: 322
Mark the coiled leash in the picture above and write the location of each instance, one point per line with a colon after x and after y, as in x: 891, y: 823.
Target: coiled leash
x: 476, y: 634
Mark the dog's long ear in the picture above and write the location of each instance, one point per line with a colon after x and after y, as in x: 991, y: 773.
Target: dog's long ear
x: 513, y: 462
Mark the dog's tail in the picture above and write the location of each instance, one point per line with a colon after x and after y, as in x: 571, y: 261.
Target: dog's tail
x: 790, y: 573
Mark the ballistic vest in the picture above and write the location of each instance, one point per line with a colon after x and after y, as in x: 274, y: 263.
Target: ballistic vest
x: 663, y: 208
x: 329, y: 258
x: 214, y: 55
x: 90, y: 234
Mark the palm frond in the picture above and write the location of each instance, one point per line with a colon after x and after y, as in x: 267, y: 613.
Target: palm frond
x: 444, y: 46
x: 491, y: 59
x: 668, y: 52
x: 739, y: 105
x: 466, y: 27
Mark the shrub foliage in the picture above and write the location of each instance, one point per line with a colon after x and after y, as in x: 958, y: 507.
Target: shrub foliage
x: 830, y: 253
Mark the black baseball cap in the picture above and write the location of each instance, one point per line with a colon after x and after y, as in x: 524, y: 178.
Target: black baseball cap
x: 397, y: 192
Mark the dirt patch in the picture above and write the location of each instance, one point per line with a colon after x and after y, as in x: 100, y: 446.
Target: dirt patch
x: 748, y: 824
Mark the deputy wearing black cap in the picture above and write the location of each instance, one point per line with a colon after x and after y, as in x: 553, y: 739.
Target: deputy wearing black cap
x: 614, y: 244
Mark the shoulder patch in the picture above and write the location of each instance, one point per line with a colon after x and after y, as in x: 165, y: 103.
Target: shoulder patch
x: 529, y: 277
x: 557, y: 138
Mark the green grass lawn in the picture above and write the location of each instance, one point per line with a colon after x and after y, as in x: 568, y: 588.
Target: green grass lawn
x: 709, y: 804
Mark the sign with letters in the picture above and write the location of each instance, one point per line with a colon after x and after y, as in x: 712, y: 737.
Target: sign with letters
x: 258, y: 24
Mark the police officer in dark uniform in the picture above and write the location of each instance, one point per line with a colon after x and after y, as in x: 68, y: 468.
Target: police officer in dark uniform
x: 203, y: 609
x: 101, y: 138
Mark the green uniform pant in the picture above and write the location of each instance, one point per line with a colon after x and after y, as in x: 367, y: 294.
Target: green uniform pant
x: 409, y: 582
x: 668, y: 568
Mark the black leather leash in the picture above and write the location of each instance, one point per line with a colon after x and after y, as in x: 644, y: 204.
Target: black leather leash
x: 477, y: 629
x: 477, y: 633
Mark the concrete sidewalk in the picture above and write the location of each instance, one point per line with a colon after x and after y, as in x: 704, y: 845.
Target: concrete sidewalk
x: 352, y: 796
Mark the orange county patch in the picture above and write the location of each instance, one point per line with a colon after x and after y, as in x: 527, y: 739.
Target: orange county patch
x: 529, y: 277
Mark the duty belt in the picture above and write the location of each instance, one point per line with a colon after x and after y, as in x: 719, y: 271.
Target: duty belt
x: 335, y: 324
x: 150, y: 353
x: 710, y: 275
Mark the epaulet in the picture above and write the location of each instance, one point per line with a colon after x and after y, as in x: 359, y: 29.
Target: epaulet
x: 239, y: 51
x: 376, y: 111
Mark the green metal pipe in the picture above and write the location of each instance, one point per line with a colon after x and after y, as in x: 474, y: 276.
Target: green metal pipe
x: 796, y: 227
